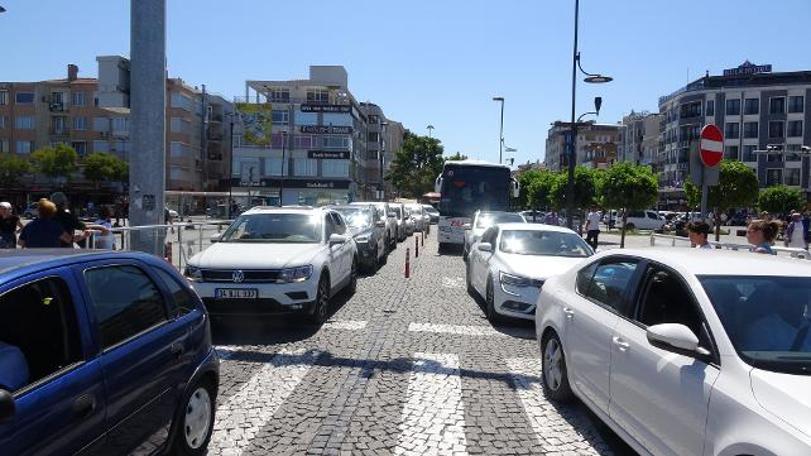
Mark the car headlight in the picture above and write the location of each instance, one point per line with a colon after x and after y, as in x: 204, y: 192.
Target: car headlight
x: 193, y: 273
x: 295, y: 275
x: 514, y: 280
x: 362, y: 239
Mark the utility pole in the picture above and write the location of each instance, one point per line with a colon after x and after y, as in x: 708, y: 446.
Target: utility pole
x: 500, y: 131
x: 204, y: 140
x: 147, y: 190
x: 284, y: 165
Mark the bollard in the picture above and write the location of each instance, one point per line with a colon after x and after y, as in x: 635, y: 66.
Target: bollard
x: 422, y: 239
x: 407, y: 273
x: 416, y: 246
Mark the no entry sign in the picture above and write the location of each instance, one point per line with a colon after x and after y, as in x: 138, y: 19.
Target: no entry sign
x: 711, y: 149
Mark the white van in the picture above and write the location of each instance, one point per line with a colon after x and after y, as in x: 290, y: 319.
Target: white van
x: 643, y: 220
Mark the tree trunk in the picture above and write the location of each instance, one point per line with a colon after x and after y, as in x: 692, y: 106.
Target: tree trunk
x: 622, y: 231
x: 717, y: 225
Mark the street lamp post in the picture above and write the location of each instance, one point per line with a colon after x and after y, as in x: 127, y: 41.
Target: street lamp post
x: 594, y: 78
x: 284, y: 163
x: 381, y: 157
x: 430, y: 130
x: 501, y: 130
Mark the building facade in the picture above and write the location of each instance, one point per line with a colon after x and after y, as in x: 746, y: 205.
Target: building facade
x: 757, y: 109
x: 639, y: 138
x: 309, y: 142
x: 597, y: 145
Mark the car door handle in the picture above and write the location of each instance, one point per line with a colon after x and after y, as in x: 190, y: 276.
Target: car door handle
x: 569, y: 312
x: 84, y: 405
x: 620, y: 343
x: 177, y: 349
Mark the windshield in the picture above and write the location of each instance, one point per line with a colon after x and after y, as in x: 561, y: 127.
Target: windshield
x: 486, y: 220
x: 468, y: 188
x: 430, y: 210
x: 356, y: 217
x: 767, y: 319
x: 548, y: 243
x: 397, y: 212
x: 294, y: 228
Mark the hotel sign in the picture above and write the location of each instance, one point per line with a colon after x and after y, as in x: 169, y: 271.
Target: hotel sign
x: 748, y: 67
x: 325, y: 108
x: 327, y: 155
x: 294, y: 183
x: 325, y: 129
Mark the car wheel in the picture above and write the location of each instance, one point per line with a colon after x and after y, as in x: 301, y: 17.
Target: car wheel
x: 490, y: 300
x: 441, y: 249
x: 196, y: 420
x: 352, y: 286
x: 555, y: 376
x: 321, y: 308
x: 470, y: 290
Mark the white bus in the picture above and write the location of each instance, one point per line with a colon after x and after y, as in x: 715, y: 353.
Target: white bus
x: 466, y: 186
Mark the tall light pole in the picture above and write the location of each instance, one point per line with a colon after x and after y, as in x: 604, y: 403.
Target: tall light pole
x: 572, y: 158
x: 500, y: 130
x: 284, y: 165
x: 382, y: 155
x: 231, y: 116
x: 430, y: 130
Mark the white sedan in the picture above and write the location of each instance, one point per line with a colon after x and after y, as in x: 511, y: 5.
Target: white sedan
x: 512, y: 260
x: 277, y: 261
x: 685, y: 351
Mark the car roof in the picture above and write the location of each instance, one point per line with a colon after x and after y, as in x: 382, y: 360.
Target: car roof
x: 354, y: 207
x: 16, y: 261
x: 720, y: 262
x: 279, y: 210
x: 534, y: 227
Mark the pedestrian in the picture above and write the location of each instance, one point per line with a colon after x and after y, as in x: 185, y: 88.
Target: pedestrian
x: 69, y: 221
x: 106, y: 240
x: 796, y: 234
x: 761, y: 234
x: 9, y: 225
x: 698, y: 231
x: 44, y: 231
x: 592, y: 227
x: 552, y: 218
x: 765, y: 216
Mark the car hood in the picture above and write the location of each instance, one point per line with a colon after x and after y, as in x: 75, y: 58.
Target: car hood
x: 538, y: 266
x: 784, y: 395
x: 249, y: 255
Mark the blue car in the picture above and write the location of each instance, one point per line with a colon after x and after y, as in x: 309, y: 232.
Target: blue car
x: 102, y: 353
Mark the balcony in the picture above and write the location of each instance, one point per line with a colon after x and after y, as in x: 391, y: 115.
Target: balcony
x: 56, y: 106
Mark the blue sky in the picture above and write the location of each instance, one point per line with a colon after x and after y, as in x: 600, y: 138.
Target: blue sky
x: 431, y: 62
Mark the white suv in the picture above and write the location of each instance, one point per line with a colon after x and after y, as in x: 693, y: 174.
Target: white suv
x: 643, y: 220
x: 277, y: 261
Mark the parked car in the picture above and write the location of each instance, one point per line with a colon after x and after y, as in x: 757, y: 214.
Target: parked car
x: 389, y: 222
x: 277, y: 261
x: 102, y: 353
x: 533, y: 216
x: 422, y: 222
x: 511, y: 261
x: 398, y: 213
x: 31, y: 211
x: 369, y: 231
x: 410, y: 223
x: 642, y: 220
x: 432, y: 213
x: 483, y: 220
x: 706, y: 353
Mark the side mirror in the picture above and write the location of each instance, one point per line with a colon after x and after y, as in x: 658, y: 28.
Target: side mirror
x: 216, y: 237
x: 673, y: 337
x: 380, y: 224
x: 485, y: 247
x: 7, y: 406
x: 337, y: 239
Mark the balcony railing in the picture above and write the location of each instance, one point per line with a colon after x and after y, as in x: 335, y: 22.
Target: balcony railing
x: 295, y: 100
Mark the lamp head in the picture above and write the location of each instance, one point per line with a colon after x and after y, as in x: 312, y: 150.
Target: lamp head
x: 598, y: 79
x: 598, y: 102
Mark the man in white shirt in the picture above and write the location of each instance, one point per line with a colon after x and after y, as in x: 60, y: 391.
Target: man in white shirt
x: 592, y: 227
x: 796, y: 232
x: 698, y: 231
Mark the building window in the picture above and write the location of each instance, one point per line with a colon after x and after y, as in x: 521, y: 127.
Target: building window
x: 732, y: 130
x: 78, y: 99
x: 24, y: 147
x: 24, y: 123
x: 777, y: 105
x: 273, y: 167
x: 795, y: 128
x: 774, y: 177
x: 335, y: 168
x: 750, y: 129
x: 372, y: 155
x: 80, y: 147
x: 710, y: 111
x: 795, y: 104
x: 373, y: 137
x: 121, y: 145
x: 2, y: 121
x: 58, y: 125
x: 306, y: 118
x: 120, y: 125
x: 731, y: 152
x: 279, y: 95
x: 777, y: 129
x: 302, y: 141
x: 101, y: 146
x: 3, y: 97
x: 733, y: 107
x: 751, y: 106
x: 24, y: 98
x: 335, y: 142
x: 80, y: 123
x: 305, y: 167
x: 792, y: 176
x: 318, y: 96
x: 373, y: 119
x: 180, y: 125
x: 101, y: 124
x: 4, y: 147
x: 177, y: 149
x: 280, y: 117
x: 690, y: 110
x: 181, y: 101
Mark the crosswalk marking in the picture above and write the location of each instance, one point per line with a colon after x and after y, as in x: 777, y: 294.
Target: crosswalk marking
x: 249, y: 410
x: 433, y: 420
x: 455, y: 329
x: 347, y: 325
x: 546, y: 422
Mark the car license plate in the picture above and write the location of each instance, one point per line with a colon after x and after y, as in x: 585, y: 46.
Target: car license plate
x: 236, y: 293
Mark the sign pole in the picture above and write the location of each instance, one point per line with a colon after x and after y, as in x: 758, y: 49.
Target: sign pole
x: 705, y: 189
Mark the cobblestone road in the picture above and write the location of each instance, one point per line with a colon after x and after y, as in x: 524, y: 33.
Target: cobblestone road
x: 405, y: 367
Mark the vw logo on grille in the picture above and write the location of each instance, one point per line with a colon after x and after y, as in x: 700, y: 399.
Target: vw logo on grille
x: 238, y: 276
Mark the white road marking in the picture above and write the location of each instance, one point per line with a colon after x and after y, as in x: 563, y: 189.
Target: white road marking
x: 454, y: 329
x: 347, y: 325
x: 546, y: 421
x: 454, y: 282
x: 250, y: 409
x: 433, y: 416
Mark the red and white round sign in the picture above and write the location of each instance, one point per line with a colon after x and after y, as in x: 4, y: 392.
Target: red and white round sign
x: 711, y: 149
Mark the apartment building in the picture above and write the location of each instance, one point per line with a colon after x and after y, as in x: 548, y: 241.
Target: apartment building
x: 639, y: 138
x: 597, y: 145
x: 764, y: 116
x: 310, y: 142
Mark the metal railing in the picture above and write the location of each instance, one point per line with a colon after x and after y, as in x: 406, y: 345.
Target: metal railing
x: 785, y: 251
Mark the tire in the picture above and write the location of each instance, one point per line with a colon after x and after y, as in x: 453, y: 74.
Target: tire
x: 196, y: 420
x: 441, y: 249
x: 352, y: 286
x: 555, y: 376
x: 490, y: 301
x: 470, y: 290
x: 321, y: 308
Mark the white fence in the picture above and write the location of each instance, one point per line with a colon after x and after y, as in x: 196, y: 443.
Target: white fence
x: 679, y: 241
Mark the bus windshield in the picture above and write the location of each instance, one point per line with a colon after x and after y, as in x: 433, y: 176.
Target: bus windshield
x: 468, y: 188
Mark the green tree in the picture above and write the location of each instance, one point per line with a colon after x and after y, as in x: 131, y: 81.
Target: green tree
x: 100, y: 167
x: 629, y: 187
x: 457, y: 156
x: 12, y: 167
x: 416, y: 165
x: 55, y: 161
x: 780, y: 199
x: 539, y: 189
x: 585, y: 189
x: 737, y: 187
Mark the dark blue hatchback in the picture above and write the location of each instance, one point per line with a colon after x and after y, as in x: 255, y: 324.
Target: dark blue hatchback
x: 102, y: 353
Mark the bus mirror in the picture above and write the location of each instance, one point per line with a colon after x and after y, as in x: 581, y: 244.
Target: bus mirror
x: 516, y: 189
